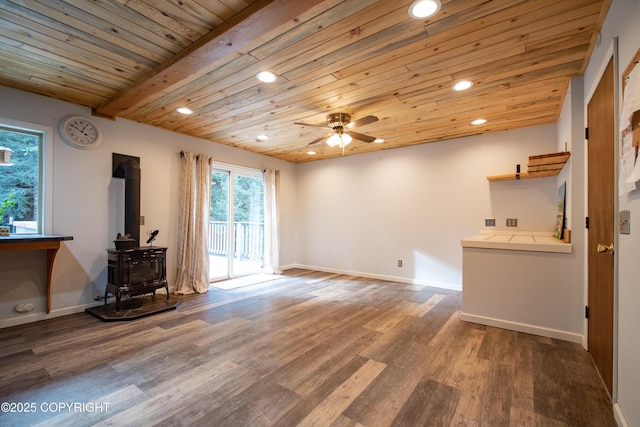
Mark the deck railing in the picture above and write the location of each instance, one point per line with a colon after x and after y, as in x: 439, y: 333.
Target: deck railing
x: 249, y: 239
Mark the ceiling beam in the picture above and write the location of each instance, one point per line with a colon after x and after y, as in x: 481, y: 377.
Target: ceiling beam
x: 254, y: 21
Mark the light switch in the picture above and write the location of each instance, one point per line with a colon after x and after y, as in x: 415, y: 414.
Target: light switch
x: 625, y: 226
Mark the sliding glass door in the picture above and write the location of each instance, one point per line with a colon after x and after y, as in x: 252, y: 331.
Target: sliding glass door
x: 236, y: 223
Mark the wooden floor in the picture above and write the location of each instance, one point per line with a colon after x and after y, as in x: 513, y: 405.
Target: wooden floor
x: 308, y: 349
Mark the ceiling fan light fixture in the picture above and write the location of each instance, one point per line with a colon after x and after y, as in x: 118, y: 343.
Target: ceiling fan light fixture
x: 339, y: 140
x: 311, y: 153
x: 266, y: 77
x: 421, y: 9
x: 462, y: 85
x: 334, y: 140
x: 378, y: 140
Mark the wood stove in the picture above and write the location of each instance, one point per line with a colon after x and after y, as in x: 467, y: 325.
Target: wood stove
x: 136, y: 271
x: 133, y: 270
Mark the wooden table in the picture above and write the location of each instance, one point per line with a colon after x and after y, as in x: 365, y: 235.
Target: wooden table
x: 32, y: 242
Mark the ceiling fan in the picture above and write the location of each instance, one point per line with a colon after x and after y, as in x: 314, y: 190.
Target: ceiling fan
x: 341, y: 125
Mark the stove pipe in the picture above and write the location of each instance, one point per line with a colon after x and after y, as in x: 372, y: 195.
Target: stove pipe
x: 128, y: 167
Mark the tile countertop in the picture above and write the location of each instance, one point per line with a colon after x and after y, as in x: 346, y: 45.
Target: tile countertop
x: 535, y: 241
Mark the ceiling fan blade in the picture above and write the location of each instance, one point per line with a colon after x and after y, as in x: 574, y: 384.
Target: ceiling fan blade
x: 360, y: 136
x: 363, y: 121
x: 324, y: 125
x: 315, y: 141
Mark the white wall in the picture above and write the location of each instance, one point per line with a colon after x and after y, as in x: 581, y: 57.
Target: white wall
x: 88, y: 204
x: 526, y: 291
x: 537, y: 292
x: 623, y: 21
x: 360, y: 214
x: 570, y: 136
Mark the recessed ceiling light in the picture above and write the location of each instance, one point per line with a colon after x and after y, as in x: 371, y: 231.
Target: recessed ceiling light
x: 378, y: 140
x: 421, y: 9
x: 462, y: 85
x: 479, y: 122
x: 311, y: 153
x: 184, y: 110
x: 266, y: 77
x: 262, y: 137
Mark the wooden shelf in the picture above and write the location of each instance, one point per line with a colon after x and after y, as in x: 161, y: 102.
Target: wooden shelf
x: 539, y: 166
x: 30, y: 242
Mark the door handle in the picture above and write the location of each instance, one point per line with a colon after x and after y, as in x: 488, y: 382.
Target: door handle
x: 604, y: 248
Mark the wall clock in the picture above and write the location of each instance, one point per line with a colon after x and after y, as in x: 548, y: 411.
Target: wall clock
x: 80, y: 132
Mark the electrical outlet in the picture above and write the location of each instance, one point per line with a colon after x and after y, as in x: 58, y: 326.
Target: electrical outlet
x: 490, y: 222
x: 24, y: 308
x: 141, y: 219
x: 512, y: 222
x: 399, y: 263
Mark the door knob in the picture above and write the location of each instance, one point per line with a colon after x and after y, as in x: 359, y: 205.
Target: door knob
x: 604, y: 248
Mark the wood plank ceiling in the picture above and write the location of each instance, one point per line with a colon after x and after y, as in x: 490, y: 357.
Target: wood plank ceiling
x: 141, y: 59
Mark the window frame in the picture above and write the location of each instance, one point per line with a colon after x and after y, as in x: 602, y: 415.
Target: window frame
x: 45, y: 173
x: 234, y: 171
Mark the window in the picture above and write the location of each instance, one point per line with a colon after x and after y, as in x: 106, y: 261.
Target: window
x: 236, y: 220
x: 21, y: 189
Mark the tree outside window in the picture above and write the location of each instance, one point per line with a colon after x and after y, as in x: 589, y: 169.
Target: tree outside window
x: 20, y: 181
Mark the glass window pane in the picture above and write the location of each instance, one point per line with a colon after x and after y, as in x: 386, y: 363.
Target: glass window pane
x: 248, y: 199
x: 20, y: 181
x: 218, y: 226
x: 248, y: 213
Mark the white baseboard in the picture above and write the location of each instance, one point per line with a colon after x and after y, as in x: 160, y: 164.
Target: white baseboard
x: 449, y: 286
x: 619, y: 416
x: 523, y: 327
x: 35, y: 317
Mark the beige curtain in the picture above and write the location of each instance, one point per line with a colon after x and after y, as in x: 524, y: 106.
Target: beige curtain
x: 272, y: 222
x: 193, y: 224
